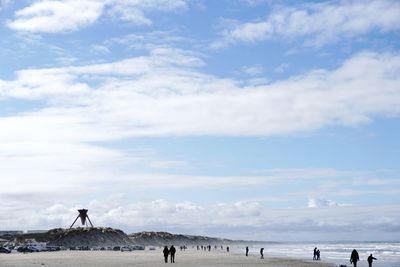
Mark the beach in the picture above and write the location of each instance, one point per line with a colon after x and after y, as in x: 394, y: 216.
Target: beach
x: 189, y: 258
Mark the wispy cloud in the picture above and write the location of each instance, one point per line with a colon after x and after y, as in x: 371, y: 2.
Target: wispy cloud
x: 4, y: 4
x: 253, y: 70
x: 53, y: 16
x: 319, y: 24
x: 134, y: 11
x: 56, y: 16
x: 322, y: 202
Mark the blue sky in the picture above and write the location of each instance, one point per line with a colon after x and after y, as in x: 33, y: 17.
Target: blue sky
x: 247, y: 119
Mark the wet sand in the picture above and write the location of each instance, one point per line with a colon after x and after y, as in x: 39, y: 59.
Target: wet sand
x: 189, y: 258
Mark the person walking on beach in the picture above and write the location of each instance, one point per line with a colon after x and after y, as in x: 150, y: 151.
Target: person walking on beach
x: 172, y: 251
x: 318, y: 255
x: 262, y: 253
x: 354, y: 257
x: 315, y: 254
x: 370, y: 260
x: 247, y: 251
x: 166, y: 252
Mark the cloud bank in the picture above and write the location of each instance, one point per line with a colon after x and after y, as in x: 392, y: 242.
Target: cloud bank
x: 165, y: 94
x: 233, y: 220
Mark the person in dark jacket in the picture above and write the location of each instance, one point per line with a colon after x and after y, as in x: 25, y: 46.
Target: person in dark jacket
x: 172, y: 251
x: 247, y: 251
x: 315, y: 253
x: 370, y: 260
x: 166, y: 252
x: 262, y: 253
x: 354, y: 257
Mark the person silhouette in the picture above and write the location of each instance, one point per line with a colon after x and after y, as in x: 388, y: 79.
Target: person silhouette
x: 370, y: 260
x: 227, y: 249
x: 172, y: 251
x: 262, y: 253
x: 166, y: 252
x: 315, y: 254
x: 318, y: 255
x: 247, y: 251
x: 354, y: 257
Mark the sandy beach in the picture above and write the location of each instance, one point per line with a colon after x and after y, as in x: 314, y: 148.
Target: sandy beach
x: 190, y: 258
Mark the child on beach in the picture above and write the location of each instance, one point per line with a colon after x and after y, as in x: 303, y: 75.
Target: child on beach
x: 370, y: 260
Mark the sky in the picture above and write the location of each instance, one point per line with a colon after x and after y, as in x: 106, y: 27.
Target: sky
x: 244, y: 119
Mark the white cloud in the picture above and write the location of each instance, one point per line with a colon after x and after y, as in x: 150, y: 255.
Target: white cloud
x: 253, y: 70
x: 52, y: 16
x: 133, y: 11
x: 57, y: 16
x: 189, y: 102
x: 320, y: 23
x: 322, y: 202
x: 100, y: 49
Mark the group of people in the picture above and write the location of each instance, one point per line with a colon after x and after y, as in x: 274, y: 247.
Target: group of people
x: 317, y: 254
x: 208, y: 248
x: 261, y: 252
x: 354, y: 258
x: 169, y: 252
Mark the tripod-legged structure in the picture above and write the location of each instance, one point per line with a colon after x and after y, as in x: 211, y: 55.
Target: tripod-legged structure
x: 83, y: 215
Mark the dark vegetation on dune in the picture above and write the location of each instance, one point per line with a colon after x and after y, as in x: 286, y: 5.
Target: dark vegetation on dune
x: 105, y: 237
x: 80, y: 237
x: 164, y: 238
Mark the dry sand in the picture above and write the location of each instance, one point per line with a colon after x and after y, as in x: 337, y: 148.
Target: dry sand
x: 189, y: 258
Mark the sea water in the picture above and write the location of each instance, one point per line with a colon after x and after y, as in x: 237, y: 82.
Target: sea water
x: 387, y: 253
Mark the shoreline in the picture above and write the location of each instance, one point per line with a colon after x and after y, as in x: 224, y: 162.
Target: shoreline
x: 189, y: 258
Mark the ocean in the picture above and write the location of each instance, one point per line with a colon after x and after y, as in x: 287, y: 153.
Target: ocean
x: 387, y: 253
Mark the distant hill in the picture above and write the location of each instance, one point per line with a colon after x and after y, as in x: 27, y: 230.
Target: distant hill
x: 165, y: 238
x: 109, y: 237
